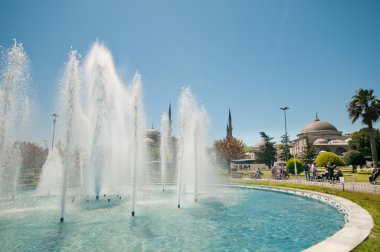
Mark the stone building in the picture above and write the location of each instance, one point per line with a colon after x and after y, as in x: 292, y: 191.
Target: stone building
x: 322, y: 136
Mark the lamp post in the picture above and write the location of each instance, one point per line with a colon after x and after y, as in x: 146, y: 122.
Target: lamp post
x: 54, y: 115
x: 286, y: 133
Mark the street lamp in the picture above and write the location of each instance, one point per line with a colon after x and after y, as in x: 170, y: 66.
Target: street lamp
x: 286, y: 132
x: 54, y: 115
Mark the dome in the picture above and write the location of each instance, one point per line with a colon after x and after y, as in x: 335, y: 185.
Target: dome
x: 348, y: 140
x: 149, y: 140
x: 152, y: 132
x: 318, y: 126
x: 320, y: 141
x: 259, y: 144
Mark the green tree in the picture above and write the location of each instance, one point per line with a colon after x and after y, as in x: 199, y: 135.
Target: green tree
x: 308, y: 155
x: 228, y: 149
x: 285, y: 155
x: 353, y: 158
x: 328, y: 157
x: 360, y: 142
x: 267, y: 153
x: 33, y: 158
x: 366, y: 106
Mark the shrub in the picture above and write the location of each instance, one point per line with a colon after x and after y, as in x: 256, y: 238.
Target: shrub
x: 290, y: 166
x: 328, y: 157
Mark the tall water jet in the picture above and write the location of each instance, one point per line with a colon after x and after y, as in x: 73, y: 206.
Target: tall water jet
x: 13, y: 113
x: 103, y: 86
x: 164, y: 147
x: 115, y: 125
x: 138, y: 134
x: 71, y: 112
x: 192, y: 146
x: 51, y: 177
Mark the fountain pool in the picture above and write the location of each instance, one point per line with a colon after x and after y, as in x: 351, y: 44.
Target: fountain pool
x: 229, y: 219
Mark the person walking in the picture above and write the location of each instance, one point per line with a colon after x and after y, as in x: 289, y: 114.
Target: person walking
x: 330, y: 169
x: 313, y: 170
x: 306, y: 168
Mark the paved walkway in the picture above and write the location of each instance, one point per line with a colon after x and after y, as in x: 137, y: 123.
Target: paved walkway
x: 348, y: 186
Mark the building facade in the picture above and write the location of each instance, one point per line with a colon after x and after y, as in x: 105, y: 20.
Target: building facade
x: 321, y: 136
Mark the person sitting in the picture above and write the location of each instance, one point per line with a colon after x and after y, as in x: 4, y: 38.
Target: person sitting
x: 337, y: 174
x: 285, y: 173
x: 375, y: 174
x: 325, y: 175
x: 257, y: 174
x: 258, y: 171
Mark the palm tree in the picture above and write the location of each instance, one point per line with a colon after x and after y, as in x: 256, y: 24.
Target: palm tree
x: 365, y: 105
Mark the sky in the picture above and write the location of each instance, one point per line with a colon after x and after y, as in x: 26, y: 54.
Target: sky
x: 250, y: 56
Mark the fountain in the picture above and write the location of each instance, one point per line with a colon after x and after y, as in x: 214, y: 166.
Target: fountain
x: 14, y: 113
x: 97, y: 172
x: 192, y: 145
x: 164, y: 148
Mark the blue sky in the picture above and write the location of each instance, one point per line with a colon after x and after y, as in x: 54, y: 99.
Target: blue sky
x: 253, y: 56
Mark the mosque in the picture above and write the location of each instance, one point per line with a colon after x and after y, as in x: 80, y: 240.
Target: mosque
x: 153, y: 136
x: 322, y: 136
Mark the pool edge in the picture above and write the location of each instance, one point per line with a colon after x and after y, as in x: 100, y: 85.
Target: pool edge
x: 358, y: 222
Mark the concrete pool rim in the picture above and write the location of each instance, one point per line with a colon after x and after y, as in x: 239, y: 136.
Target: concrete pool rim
x: 358, y: 222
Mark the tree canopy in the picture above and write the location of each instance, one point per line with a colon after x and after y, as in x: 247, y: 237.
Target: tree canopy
x: 267, y: 153
x: 354, y: 158
x: 228, y: 149
x: 328, y: 157
x: 366, y: 106
x: 360, y: 141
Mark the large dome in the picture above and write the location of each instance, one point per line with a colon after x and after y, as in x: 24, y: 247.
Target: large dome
x: 318, y: 126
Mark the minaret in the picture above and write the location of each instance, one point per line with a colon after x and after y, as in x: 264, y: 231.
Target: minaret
x: 170, y: 119
x: 229, y: 125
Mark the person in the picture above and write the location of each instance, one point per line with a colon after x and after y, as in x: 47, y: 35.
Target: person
x: 285, y: 174
x: 258, y: 173
x: 374, y: 175
x: 337, y: 174
x: 313, y: 170
x: 325, y: 174
x: 274, y: 172
x: 306, y: 168
x: 330, y: 169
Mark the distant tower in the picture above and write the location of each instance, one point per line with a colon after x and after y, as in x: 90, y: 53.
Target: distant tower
x: 229, y: 125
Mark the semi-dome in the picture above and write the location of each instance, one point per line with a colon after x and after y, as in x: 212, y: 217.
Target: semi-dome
x: 337, y: 141
x: 318, y: 126
x: 348, y: 140
x: 320, y: 141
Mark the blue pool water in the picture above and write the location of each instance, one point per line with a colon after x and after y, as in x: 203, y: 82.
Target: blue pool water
x: 230, y: 219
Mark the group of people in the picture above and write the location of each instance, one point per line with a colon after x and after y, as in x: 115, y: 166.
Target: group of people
x: 331, y: 172
x: 310, y: 168
x: 280, y: 173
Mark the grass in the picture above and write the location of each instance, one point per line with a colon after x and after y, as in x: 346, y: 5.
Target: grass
x: 370, y: 202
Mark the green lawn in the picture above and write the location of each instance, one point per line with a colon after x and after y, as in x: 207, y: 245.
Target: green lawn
x: 370, y: 202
